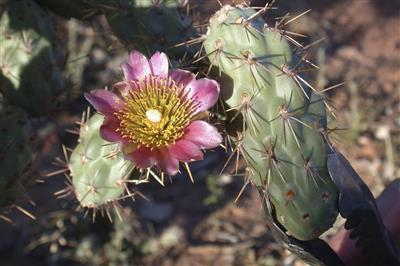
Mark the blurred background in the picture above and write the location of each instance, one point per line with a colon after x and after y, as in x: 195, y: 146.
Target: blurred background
x: 201, y: 224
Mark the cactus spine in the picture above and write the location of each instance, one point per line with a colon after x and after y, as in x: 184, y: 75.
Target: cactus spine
x: 98, y: 170
x: 30, y: 75
x: 282, y: 139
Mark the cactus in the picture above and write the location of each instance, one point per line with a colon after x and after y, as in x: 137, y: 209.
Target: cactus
x: 283, y: 138
x: 144, y: 25
x: 151, y: 25
x: 30, y: 60
x: 98, y: 170
x: 15, y: 153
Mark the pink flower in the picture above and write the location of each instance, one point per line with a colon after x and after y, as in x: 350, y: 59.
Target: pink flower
x: 153, y: 113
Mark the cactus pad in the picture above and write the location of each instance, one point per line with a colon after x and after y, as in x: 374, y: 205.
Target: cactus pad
x: 98, y: 170
x: 30, y: 60
x: 151, y: 25
x: 283, y: 134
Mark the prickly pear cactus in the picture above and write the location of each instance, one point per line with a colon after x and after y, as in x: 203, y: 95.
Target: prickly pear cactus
x: 151, y: 25
x: 30, y: 60
x: 283, y: 137
x: 15, y: 153
x: 99, y: 172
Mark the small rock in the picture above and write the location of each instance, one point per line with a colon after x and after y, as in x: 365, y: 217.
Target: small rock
x: 171, y: 236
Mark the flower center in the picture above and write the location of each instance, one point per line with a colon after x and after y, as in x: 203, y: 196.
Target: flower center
x: 155, y: 113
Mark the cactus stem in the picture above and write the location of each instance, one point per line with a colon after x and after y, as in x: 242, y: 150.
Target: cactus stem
x: 246, y: 109
x: 272, y: 158
x: 96, y: 186
x: 255, y: 174
x: 280, y: 173
x: 252, y: 62
x: 254, y: 56
x: 310, y: 175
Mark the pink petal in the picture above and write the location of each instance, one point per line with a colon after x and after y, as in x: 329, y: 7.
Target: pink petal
x: 137, y: 68
x: 203, y: 134
x: 186, y: 151
x: 159, y: 64
x: 104, y: 101
x: 181, y: 76
x: 206, y: 91
x: 142, y: 157
x: 108, y: 130
x: 167, y: 163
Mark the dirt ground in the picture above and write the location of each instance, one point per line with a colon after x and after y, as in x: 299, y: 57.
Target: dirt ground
x: 200, y: 224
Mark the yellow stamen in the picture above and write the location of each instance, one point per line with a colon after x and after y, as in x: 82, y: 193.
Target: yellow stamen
x: 156, y: 114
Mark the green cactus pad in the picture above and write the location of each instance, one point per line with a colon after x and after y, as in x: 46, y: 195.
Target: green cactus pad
x: 149, y: 26
x: 30, y: 60
x: 98, y: 171
x: 283, y: 138
x: 15, y: 153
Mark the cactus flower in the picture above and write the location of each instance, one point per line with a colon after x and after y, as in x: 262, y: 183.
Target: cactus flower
x: 152, y: 113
